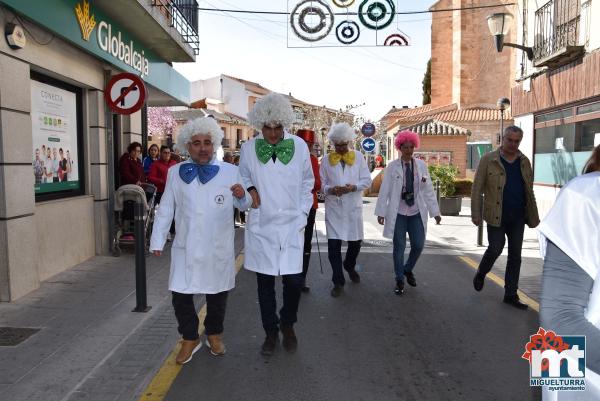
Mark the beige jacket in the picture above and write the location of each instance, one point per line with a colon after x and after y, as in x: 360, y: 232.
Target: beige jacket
x: 490, y: 179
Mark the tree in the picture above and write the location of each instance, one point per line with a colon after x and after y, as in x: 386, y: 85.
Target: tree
x: 427, y: 84
x: 160, y: 122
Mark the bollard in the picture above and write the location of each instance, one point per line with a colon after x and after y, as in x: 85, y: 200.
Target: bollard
x: 480, y: 226
x: 140, y: 260
x: 437, y: 191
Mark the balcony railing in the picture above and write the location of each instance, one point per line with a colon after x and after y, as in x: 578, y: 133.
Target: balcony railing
x: 561, y: 30
x: 183, y: 16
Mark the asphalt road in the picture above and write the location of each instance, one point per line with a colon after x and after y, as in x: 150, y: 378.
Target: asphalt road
x: 439, y: 341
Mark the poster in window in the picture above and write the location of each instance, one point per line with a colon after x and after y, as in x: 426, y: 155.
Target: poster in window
x: 54, y: 130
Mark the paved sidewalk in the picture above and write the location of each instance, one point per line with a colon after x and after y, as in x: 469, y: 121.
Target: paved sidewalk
x: 90, y: 345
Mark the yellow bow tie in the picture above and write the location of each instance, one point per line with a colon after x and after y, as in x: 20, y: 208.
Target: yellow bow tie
x: 348, y: 158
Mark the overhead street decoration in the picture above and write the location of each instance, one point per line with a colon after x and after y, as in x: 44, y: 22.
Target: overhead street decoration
x: 125, y: 93
x: 368, y: 144
x: 359, y: 23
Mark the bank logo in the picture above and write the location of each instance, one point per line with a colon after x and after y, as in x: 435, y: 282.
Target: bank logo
x: 557, y: 362
x: 86, y: 21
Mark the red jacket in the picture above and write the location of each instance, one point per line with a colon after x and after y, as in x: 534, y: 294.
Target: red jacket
x: 158, y: 174
x: 315, y: 166
x: 131, y: 171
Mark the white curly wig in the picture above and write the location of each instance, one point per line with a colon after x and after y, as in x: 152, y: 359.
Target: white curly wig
x: 341, y: 132
x: 199, y: 126
x: 272, y: 109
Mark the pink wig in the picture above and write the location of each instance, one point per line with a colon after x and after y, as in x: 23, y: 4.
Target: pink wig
x: 407, y: 136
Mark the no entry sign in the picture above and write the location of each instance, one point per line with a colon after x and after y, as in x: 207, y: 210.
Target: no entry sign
x: 125, y: 93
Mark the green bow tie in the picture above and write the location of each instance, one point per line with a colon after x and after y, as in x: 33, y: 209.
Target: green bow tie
x: 284, y: 150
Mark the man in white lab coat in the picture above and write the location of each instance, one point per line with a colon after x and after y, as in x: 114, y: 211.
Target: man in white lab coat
x: 344, y: 176
x: 201, y: 194
x: 276, y: 171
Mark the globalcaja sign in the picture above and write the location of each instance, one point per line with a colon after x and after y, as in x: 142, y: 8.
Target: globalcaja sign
x: 85, y: 25
x: 125, y: 52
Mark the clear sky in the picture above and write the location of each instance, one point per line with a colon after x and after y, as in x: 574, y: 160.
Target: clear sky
x: 255, y: 47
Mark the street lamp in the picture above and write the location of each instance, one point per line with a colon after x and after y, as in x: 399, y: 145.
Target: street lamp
x: 499, y: 25
x: 502, y: 104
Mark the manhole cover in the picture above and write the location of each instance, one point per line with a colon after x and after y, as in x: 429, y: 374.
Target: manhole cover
x: 11, y: 336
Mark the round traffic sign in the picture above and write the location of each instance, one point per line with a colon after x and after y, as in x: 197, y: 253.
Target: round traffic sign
x: 368, y: 129
x: 368, y: 144
x: 125, y: 93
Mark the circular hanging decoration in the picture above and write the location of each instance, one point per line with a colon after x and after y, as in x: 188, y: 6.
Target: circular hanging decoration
x: 376, y: 14
x: 347, y: 32
x: 396, y: 40
x: 304, y: 13
x: 343, y: 3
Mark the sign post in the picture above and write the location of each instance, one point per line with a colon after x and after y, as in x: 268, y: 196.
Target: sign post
x: 125, y: 93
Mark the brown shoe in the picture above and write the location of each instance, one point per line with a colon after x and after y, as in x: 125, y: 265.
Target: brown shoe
x: 215, y: 344
x: 188, y: 349
x: 290, y: 342
x: 268, y: 346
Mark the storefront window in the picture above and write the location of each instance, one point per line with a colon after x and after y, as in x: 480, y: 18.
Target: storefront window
x: 56, y: 131
x: 562, y: 150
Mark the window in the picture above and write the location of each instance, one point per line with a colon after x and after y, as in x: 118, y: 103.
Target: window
x: 57, y: 132
x: 589, y: 108
x: 562, y: 150
x: 555, y: 115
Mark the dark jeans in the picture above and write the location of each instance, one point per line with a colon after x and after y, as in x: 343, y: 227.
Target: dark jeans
x: 512, y: 227
x: 292, y: 287
x: 187, y: 318
x: 416, y: 232
x: 334, y: 251
x: 308, y: 234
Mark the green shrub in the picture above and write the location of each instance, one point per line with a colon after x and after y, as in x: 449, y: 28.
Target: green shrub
x: 446, y: 176
x: 463, y: 186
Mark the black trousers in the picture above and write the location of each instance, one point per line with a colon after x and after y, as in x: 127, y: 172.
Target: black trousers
x: 308, y: 234
x: 187, y: 318
x: 292, y: 288
x: 512, y: 227
x: 335, y: 258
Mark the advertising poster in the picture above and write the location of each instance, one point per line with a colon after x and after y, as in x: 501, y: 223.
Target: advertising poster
x: 54, y: 130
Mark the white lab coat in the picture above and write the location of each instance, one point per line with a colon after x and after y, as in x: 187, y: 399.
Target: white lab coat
x: 390, y: 195
x: 202, y: 255
x: 573, y: 225
x: 343, y: 214
x: 274, y: 236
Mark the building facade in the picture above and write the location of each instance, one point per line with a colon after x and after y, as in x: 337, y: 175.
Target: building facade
x: 58, y: 139
x: 556, y: 97
x: 235, y: 97
x: 467, y: 78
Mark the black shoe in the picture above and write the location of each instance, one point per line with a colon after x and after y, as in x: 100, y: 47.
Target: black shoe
x: 515, y: 301
x: 305, y: 288
x: 268, y: 346
x: 478, y: 281
x: 290, y: 342
x: 410, y: 279
x: 354, y: 276
x: 337, y: 290
x: 399, y: 290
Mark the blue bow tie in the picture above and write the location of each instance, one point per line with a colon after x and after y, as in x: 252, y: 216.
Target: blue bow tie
x: 204, y: 172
